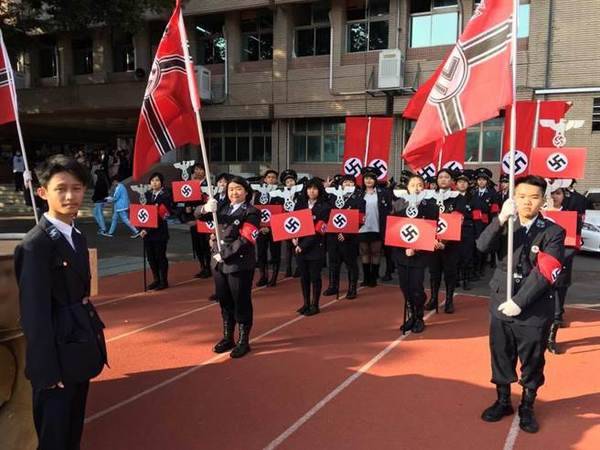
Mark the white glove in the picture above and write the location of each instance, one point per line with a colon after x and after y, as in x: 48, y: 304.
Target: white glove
x: 27, y: 179
x: 210, y: 206
x: 509, y: 209
x: 509, y: 308
x: 217, y: 257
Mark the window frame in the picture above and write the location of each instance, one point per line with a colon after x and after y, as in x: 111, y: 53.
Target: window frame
x: 596, y: 115
x: 53, y: 48
x: 212, y: 39
x: 119, y: 45
x: 249, y: 134
x: 368, y: 20
x: 521, y: 3
x: 322, y: 133
x: 259, y: 32
x: 314, y: 26
x: 481, y: 127
x: 435, y: 10
x: 82, y: 49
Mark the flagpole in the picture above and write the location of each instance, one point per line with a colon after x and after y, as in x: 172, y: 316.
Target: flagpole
x: 13, y: 94
x: 196, y: 105
x: 367, y: 143
x: 513, y: 142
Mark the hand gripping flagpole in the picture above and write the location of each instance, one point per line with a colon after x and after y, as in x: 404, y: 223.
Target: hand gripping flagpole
x: 13, y: 94
x: 513, y: 142
x: 196, y: 105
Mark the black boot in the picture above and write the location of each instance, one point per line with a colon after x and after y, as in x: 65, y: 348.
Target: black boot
x: 389, y: 269
x: 552, y: 347
x: 419, y: 325
x: 314, y: 307
x: 163, y: 280
x: 449, y: 305
x: 352, y: 282
x: 273, y: 280
x: 227, y: 343
x: 262, y: 281
x: 374, y: 275
x: 366, y: 275
x: 306, y: 297
x: 465, y: 280
x: 527, y: 421
x: 156, y: 281
x: 288, y: 268
x: 243, y: 344
x: 410, y: 321
x: 501, y: 406
x: 334, y: 280
x: 433, y: 300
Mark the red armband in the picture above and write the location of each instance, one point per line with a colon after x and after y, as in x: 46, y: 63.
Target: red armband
x: 495, y: 208
x: 320, y: 227
x: 549, y: 266
x: 163, y: 211
x: 249, y: 232
x: 485, y: 218
x: 477, y: 215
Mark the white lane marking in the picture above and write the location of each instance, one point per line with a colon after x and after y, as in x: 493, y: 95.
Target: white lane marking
x: 513, y: 432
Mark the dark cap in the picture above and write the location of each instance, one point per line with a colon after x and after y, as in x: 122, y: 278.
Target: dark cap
x: 483, y: 172
x: 288, y: 173
x: 372, y: 172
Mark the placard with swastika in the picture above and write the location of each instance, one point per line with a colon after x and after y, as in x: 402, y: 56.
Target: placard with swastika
x: 186, y: 191
x: 205, y: 227
x: 291, y: 225
x: 268, y: 211
x: 143, y: 216
x: 449, y: 226
x: 418, y: 234
x: 343, y: 221
x: 551, y: 162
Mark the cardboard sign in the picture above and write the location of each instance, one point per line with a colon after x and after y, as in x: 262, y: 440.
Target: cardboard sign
x: 449, y: 227
x: 552, y: 162
x: 143, y: 216
x: 205, y: 227
x: 268, y: 211
x: 292, y: 225
x: 186, y: 191
x: 567, y: 220
x: 343, y: 221
x: 410, y: 233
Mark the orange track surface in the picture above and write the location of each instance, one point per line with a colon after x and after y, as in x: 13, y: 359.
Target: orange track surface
x: 167, y: 390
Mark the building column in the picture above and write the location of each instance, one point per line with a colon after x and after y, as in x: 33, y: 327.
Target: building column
x: 65, y: 59
x: 102, y: 51
x: 141, y: 43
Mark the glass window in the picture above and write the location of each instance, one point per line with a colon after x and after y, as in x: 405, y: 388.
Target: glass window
x: 239, y: 141
x: 312, y: 32
x: 596, y: 115
x: 433, y: 22
x: 367, y: 29
x: 123, y: 53
x: 484, y: 141
x: 83, y: 56
x: 257, y: 35
x: 48, y: 58
x: 523, y: 24
x: 318, y: 140
x: 210, y: 48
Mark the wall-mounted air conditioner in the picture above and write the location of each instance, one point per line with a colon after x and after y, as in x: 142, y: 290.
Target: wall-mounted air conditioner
x: 204, y: 83
x: 391, y: 69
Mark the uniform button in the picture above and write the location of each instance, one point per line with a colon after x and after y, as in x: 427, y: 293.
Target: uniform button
x: 65, y: 264
x: 91, y: 313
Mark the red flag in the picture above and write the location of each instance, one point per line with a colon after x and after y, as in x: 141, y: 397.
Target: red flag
x: 568, y: 221
x: 417, y: 102
x: 268, y: 211
x: 546, y: 112
x: 292, y: 225
x: 167, y: 119
x: 344, y: 221
x: 552, y: 162
x: 186, y: 191
x: 410, y: 233
x: 357, y: 154
x: 377, y: 152
x: 476, y: 81
x: 449, y: 226
x: 448, y: 153
x: 8, y: 101
x: 143, y: 216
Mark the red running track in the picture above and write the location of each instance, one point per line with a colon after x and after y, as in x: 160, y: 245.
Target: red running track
x: 344, y: 379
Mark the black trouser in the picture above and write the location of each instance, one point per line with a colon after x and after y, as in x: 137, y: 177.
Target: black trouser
x: 446, y: 262
x: 200, y: 247
x: 509, y: 341
x: 58, y: 416
x: 156, y: 252
x: 264, y: 244
x: 412, y: 280
x: 479, y: 257
x: 345, y: 252
x: 560, y: 295
x: 466, y: 249
x: 19, y: 184
x: 310, y: 276
x: 289, y: 255
x: 234, y: 291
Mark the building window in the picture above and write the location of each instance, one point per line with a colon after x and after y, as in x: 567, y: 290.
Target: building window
x: 210, y: 40
x: 318, y: 140
x: 48, y: 55
x: 367, y: 28
x: 523, y: 17
x: 433, y: 22
x: 312, y: 29
x: 596, y: 115
x: 123, y: 53
x: 257, y: 35
x: 83, y: 56
x: 239, y: 141
x: 484, y: 141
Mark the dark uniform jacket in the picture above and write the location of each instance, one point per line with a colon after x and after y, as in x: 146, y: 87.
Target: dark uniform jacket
x: 65, y: 341
x: 537, y: 259
x: 313, y: 247
x: 165, y: 203
x: 427, y: 209
x: 481, y: 206
x: 238, y: 232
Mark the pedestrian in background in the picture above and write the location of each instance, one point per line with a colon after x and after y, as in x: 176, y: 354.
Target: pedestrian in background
x: 120, y: 201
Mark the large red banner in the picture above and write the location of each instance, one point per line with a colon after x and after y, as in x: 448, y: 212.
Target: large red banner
x: 410, y: 233
x: 567, y: 220
x: 359, y: 153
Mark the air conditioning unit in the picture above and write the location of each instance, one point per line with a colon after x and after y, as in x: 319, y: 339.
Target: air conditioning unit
x: 204, y: 83
x: 391, y: 69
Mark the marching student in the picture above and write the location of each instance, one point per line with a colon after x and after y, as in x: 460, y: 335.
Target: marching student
x: 378, y: 202
x: 233, y: 265
x: 467, y: 241
x: 65, y: 339
x: 343, y: 247
x: 222, y: 199
x: 481, y: 207
x: 519, y: 326
x: 289, y: 179
x: 156, y: 239
x: 310, y: 250
x: 444, y: 259
x: 411, y: 263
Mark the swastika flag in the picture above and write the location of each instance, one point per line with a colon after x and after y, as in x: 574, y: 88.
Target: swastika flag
x: 359, y: 153
x: 205, y: 227
x: 449, y: 226
x: 186, y: 191
x: 410, y: 233
x: 143, y: 216
x: 552, y: 162
x: 292, y: 225
x: 8, y: 96
x: 344, y: 221
x: 567, y: 220
x: 267, y: 212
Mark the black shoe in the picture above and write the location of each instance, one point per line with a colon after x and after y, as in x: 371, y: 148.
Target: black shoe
x: 227, y: 343
x: 296, y: 273
x: 331, y: 290
x: 552, y: 347
x: 213, y: 298
x: 501, y: 407
x: 449, y: 305
x: 432, y: 304
x: 312, y: 310
x: 153, y: 285
x: 273, y: 281
x: 366, y: 275
x: 288, y: 272
x: 262, y: 281
x: 408, y: 325
x: 527, y: 420
x: 351, y: 294
x: 303, y: 309
x: 419, y: 326
x: 374, y: 275
x: 162, y: 285
x: 243, y: 344
x: 205, y: 273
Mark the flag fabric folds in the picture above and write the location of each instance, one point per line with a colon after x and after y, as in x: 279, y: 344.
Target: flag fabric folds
x: 7, y: 88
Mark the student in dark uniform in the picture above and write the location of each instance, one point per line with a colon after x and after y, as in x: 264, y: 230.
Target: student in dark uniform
x: 233, y: 265
x: 378, y: 203
x: 156, y: 239
x: 498, y: 199
x: 574, y: 201
x: 467, y: 241
x: 65, y: 341
x: 481, y: 207
x: 444, y: 259
x: 289, y: 179
x: 519, y: 326
x: 343, y: 247
x: 411, y: 263
x: 265, y: 243
x: 310, y: 250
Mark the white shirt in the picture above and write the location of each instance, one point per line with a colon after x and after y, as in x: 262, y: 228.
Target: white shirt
x: 371, y: 224
x: 65, y: 229
x: 529, y: 224
x: 234, y: 207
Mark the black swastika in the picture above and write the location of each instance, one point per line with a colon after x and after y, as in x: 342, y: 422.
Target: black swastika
x: 557, y: 162
x: 520, y: 162
x: 352, y: 167
x: 265, y: 215
x: 428, y: 171
x: 409, y: 233
x: 143, y: 216
x: 186, y: 190
x: 292, y: 225
x: 441, y: 226
x: 340, y: 221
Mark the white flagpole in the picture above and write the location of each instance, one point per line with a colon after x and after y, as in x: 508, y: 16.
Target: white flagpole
x: 13, y: 93
x: 191, y: 77
x: 513, y: 142
x: 366, y: 161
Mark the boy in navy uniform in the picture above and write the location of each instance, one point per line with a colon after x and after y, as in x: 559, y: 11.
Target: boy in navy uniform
x: 481, y: 201
x: 65, y: 341
x: 519, y: 326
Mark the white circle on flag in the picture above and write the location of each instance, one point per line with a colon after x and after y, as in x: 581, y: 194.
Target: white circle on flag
x: 557, y: 162
x: 210, y: 224
x: 186, y: 190
x: 453, y: 165
x: 352, y: 166
x: 381, y: 165
x: 521, y: 162
x: 265, y: 216
x: 143, y: 215
x: 442, y: 226
x: 292, y: 225
x: 340, y: 221
x: 452, y: 79
x: 409, y: 233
